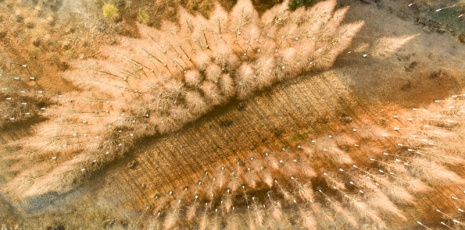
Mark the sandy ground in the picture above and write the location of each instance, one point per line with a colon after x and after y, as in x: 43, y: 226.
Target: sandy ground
x: 382, y: 78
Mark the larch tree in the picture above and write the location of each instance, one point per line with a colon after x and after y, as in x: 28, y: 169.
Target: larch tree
x: 168, y: 77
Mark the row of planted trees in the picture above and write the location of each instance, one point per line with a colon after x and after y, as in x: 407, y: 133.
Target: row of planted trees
x: 352, y: 170
x: 172, y: 76
x: 349, y: 169
x: 380, y: 181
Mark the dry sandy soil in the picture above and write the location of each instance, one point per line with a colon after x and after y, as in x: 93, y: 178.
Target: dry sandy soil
x: 398, y: 61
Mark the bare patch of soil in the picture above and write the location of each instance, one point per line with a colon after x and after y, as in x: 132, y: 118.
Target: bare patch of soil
x: 405, y: 75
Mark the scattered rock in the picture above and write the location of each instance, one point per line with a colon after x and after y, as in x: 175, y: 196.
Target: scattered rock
x: 407, y: 86
x: 58, y: 227
x: 442, y: 29
x: 3, y: 34
x: 30, y: 25
x: 36, y: 42
x: 19, y: 18
x: 374, y: 2
x: 426, y: 29
x: 411, y: 66
x: 430, y: 56
x: 403, y: 57
x: 430, y: 25
x: 462, y: 38
x: 437, y: 74
x: 421, y: 20
x: 63, y: 66
x: 66, y: 45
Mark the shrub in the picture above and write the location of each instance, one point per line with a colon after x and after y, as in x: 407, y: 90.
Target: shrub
x: 109, y: 11
x: 144, y: 17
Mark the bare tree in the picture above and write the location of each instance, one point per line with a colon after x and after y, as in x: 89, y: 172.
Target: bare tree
x: 158, y: 83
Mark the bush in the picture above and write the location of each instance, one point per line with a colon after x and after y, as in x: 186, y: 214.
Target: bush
x: 144, y: 17
x: 109, y: 11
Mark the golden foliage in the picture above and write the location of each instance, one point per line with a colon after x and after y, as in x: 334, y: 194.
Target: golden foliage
x: 174, y: 75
